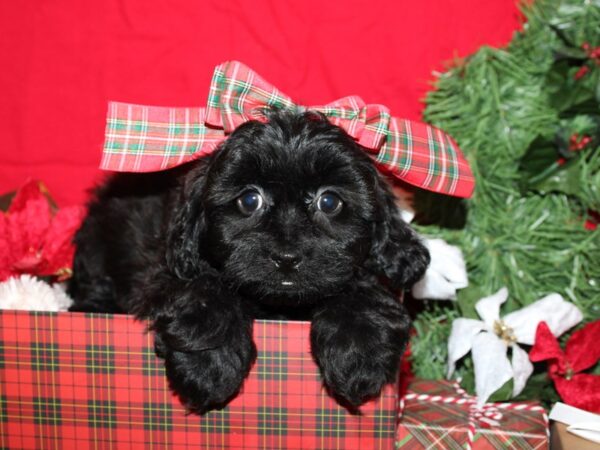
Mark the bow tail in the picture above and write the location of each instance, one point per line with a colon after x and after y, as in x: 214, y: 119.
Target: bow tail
x: 425, y: 157
x: 142, y: 138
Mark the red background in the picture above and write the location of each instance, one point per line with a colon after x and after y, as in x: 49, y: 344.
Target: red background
x: 62, y: 60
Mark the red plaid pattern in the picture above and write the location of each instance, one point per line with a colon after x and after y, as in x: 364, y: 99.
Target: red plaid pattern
x: 148, y: 138
x: 433, y: 418
x: 92, y: 381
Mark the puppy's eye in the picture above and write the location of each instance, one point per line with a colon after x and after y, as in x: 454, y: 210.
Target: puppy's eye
x: 329, y: 203
x: 250, y: 202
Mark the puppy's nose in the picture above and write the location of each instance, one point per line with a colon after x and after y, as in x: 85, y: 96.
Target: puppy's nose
x: 286, y: 261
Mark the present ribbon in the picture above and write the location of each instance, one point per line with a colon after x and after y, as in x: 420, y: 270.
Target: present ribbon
x: 488, y: 415
x: 142, y: 138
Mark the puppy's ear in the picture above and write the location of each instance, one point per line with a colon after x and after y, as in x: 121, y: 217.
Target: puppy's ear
x: 396, y: 250
x: 186, y: 228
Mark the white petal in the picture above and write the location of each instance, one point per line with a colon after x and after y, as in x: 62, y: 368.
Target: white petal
x: 446, y: 273
x: 522, y: 369
x: 489, y: 307
x: 63, y: 301
x: 559, y: 314
x: 448, y: 261
x: 434, y: 286
x: 29, y: 293
x: 461, y: 340
x: 492, y: 367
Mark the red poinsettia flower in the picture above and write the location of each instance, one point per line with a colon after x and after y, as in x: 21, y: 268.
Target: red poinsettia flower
x: 35, y: 238
x: 582, y: 351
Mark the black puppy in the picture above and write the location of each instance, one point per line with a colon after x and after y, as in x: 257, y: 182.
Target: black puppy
x: 286, y: 217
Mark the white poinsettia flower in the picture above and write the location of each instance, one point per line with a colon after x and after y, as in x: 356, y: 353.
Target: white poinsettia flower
x: 28, y: 293
x: 489, y: 339
x: 446, y: 273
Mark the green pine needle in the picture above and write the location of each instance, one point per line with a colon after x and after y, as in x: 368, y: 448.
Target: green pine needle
x: 495, y: 105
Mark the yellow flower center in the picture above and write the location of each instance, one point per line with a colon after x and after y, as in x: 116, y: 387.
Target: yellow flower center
x: 504, y: 332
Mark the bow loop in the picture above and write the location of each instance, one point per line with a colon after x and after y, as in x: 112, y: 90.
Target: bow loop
x: 377, y: 123
x: 345, y: 113
x: 238, y: 95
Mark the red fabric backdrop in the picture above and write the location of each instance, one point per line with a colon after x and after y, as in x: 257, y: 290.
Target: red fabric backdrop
x: 62, y: 60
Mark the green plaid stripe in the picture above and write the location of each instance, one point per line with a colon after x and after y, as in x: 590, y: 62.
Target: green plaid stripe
x: 100, y: 359
x: 3, y: 411
x: 44, y: 356
x: 271, y: 420
x: 102, y: 413
x: 214, y: 94
x: 47, y: 410
x: 330, y: 422
x: 158, y: 416
x: 274, y: 365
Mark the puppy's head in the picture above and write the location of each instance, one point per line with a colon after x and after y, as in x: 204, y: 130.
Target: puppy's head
x: 292, y: 208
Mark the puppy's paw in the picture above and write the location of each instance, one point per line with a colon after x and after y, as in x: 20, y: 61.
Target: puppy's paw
x: 359, y: 351
x: 354, y: 369
x: 208, y: 379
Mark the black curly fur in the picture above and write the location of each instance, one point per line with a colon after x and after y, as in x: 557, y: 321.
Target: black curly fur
x: 174, y: 248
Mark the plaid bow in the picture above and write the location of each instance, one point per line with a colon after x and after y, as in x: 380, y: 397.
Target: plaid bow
x: 150, y: 138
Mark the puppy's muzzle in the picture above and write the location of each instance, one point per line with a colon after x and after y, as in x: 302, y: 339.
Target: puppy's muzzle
x: 286, y: 261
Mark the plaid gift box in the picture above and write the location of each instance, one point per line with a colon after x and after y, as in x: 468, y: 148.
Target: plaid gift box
x: 92, y: 381
x: 440, y: 415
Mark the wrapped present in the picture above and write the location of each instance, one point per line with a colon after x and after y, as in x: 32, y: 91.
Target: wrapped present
x: 70, y: 380
x: 440, y: 415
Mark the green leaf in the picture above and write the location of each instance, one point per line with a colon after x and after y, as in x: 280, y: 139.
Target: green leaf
x: 564, y: 90
x: 588, y: 107
x: 467, y: 382
x: 580, y: 93
x: 573, y: 53
x: 565, y: 179
x: 538, y: 163
x: 467, y: 298
x: 539, y: 387
x: 556, y: 76
x: 503, y: 394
